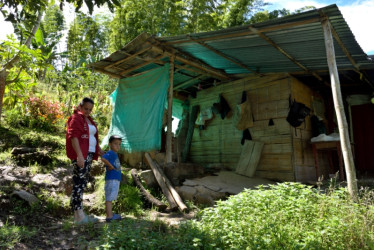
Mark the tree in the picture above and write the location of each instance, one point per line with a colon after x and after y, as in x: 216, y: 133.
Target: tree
x: 48, y: 37
x: 11, y: 63
x: 87, y: 38
x: 26, y: 16
x: 175, y: 17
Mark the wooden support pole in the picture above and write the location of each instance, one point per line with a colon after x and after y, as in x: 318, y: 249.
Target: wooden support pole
x: 169, y: 143
x: 339, y: 110
x: 149, y: 197
x: 158, y: 174
x: 175, y: 196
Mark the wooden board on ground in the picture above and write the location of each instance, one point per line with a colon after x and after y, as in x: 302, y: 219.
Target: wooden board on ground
x: 249, y: 158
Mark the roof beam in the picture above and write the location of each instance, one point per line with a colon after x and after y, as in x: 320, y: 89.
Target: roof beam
x: 188, y: 82
x: 235, y: 61
x: 130, y: 56
x: 188, y: 60
x: 178, y: 66
x: 267, y: 29
x: 106, y: 72
x: 123, y: 73
x: 276, y: 46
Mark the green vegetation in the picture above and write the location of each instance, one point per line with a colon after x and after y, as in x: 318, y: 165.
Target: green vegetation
x: 10, y: 235
x: 290, y: 216
x: 283, y: 216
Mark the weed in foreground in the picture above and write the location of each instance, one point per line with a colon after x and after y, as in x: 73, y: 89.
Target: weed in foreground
x: 288, y: 216
x: 10, y: 235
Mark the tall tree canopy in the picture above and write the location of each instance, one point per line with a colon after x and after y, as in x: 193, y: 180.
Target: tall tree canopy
x: 174, y: 17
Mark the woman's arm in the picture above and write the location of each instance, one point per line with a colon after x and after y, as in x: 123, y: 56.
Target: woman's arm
x: 78, y: 151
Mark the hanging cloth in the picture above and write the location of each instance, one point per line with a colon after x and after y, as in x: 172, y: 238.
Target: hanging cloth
x: 221, y: 107
x: 243, y: 113
x: 138, y: 110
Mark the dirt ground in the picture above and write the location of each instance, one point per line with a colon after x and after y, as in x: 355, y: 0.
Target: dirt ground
x: 54, y: 231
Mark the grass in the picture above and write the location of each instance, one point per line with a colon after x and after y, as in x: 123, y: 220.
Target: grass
x: 10, y: 235
x: 54, y: 143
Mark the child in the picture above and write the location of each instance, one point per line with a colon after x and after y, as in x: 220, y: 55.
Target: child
x: 112, y: 176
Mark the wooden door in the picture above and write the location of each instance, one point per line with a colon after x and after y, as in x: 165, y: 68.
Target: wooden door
x: 363, y: 137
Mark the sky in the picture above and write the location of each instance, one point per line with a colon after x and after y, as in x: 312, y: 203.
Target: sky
x: 358, y: 14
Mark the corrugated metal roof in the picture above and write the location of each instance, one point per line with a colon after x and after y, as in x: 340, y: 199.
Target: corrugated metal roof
x: 246, y: 50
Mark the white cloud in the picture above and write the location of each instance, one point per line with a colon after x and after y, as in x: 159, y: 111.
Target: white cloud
x: 360, y: 18
x: 358, y: 15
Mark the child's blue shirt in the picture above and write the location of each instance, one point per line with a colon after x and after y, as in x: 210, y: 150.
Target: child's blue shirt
x: 114, y: 174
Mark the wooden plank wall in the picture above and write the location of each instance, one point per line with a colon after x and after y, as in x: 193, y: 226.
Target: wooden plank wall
x: 220, y: 141
x: 302, y: 149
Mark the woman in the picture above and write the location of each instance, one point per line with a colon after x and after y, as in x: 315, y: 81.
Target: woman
x: 82, y: 147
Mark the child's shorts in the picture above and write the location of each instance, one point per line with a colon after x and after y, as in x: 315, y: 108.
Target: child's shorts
x: 111, y: 189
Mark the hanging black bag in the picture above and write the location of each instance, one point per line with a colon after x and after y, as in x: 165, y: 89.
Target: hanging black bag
x: 298, y: 112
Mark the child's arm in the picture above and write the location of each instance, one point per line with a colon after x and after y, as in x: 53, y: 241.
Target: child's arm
x: 106, y: 162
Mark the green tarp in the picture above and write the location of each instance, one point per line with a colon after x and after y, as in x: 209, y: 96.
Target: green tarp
x: 139, y: 103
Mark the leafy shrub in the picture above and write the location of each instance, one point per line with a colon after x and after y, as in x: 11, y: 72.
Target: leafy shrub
x: 43, y: 114
x: 287, y: 216
x: 128, y: 201
x: 14, y: 118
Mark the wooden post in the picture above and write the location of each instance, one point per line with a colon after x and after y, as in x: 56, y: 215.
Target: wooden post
x: 339, y: 109
x: 172, y: 203
x: 169, y: 144
x: 170, y: 193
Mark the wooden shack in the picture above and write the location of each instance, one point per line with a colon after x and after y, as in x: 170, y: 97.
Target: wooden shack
x: 272, y: 62
x: 286, y: 154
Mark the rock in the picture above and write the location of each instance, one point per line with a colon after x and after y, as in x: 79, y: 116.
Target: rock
x: 149, y: 178
x: 25, y: 156
x: 22, y: 150
x: 179, y: 172
x: 160, y: 158
x: 209, y: 192
x: 30, y: 198
x: 186, y: 192
x: 204, y: 199
x: 46, y: 179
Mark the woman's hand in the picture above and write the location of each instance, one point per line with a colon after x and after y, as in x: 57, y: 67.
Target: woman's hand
x: 101, y: 152
x: 80, y: 161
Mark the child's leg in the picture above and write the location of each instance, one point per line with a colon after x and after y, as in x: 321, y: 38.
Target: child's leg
x: 108, y: 209
x: 111, y: 192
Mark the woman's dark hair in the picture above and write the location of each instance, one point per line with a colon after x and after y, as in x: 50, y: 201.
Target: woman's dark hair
x: 85, y: 100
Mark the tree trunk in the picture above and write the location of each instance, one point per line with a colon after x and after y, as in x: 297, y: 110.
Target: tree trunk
x: 340, y: 114
x: 8, y: 66
x: 150, y: 198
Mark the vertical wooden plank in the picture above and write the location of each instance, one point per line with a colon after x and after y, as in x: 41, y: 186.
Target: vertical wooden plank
x: 245, y: 157
x: 339, y: 110
x: 255, y: 158
x: 170, y: 109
